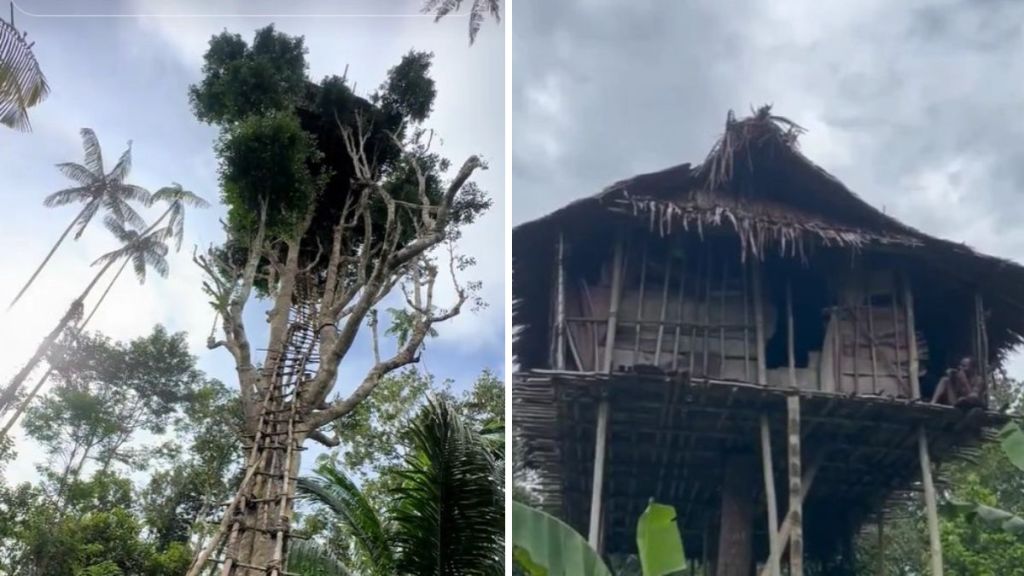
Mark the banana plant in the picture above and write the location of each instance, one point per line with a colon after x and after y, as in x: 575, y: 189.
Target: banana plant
x: 543, y: 545
x: 1011, y: 440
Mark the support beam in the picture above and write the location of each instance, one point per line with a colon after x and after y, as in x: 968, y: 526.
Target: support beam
x: 600, y: 449
x: 771, y: 503
x: 762, y: 368
x: 796, y: 539
x: 601, y: 437
x: 931, y: 508
x: 560, y: 309
x: 912, y: 367
x: 787, y: 526
x: 735, y: 536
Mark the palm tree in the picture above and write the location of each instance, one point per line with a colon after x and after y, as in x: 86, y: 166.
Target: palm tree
x: 477, y: 12
x: 142, y: 250
x: 177, y: 199
x: 96, y: 189
x: 445, y: 515
x: 22, y: 84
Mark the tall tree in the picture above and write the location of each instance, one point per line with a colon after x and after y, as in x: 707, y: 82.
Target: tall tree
x: 329, y: 243
x: 95, y: 189
x: 444, y: 518
x: 22, y: 83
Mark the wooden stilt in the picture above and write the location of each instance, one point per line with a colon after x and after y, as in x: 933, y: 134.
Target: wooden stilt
x: 596, y: 500
x: 931, y: 507
x: 770, y: 500
x: 787, y: 525
x: 601, y: 437
x: 796, y: 538
x: 560, y: 325
x: 908, y: 303
x: 762, y: 368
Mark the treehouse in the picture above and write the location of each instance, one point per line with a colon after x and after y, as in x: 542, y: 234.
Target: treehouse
x: 749, y: 341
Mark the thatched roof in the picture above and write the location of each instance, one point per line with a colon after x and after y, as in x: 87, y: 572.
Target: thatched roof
x: 756, y: 184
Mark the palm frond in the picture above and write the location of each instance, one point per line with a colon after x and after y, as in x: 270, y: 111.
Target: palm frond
x: 123, y: 211
x: 123, y: 167
x: 448, y: 510
x: 139, y: 266
x: 441, y: 8
x: 116, y: 227
x: 88, y: 212
x: 80, y: 174
x: 311, y: 559
x: 336, y: 491
x: 22, y: 83
x: 93, y: 152
x: 68, y: 196
x: 176, y: 193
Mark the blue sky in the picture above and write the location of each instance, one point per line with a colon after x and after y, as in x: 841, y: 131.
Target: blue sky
x: 123, y: 68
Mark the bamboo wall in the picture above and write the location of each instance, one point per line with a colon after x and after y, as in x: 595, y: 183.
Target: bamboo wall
x: 691, y: 311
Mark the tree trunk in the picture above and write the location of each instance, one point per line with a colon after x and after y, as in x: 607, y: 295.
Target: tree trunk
x: 47, y: 259
x: 74, y: 311
x: 735, y: 539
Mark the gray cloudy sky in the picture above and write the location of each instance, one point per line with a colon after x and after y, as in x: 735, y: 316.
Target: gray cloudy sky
x: 125, y: 73
x: 917, y: 106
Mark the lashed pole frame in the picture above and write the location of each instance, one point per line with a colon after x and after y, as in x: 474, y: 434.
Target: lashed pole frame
x: 796, y: 538
x: 601, y: 438
x: 931, y: 507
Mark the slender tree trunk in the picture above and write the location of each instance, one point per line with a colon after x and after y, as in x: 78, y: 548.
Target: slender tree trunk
x: 42, y: 380
x: 47, y: 259
x: 73, y: 312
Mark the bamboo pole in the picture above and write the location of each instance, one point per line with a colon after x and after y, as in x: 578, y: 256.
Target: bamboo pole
x: 871, y: 343
x: 787, y: 525
x: 664, y: 308
x: 762, y: 369
x: 931, y: 508
x: 908, y: 302
x: 982, y: 346
x: 897, y: 341
x: 560, y: 327
x: 746, y: 324
x: 771, y: 502
x: 640, y: 305
x: 721, y: 318
x: 600, y: 449
x: 681, y: 302
x: 601, y: 437
x: 790, y: 336
x: 796, y: 538
x: 707, y: 313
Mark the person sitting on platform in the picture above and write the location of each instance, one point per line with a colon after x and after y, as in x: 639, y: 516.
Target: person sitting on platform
x: 962, y: 387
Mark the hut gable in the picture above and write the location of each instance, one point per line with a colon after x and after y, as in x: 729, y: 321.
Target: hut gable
x: 756, y: 189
